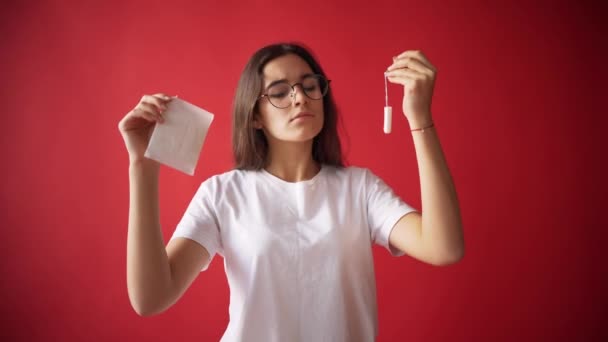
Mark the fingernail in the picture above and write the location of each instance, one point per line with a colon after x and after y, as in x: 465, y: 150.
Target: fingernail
x: 394, y: 58
x: 166, y: 97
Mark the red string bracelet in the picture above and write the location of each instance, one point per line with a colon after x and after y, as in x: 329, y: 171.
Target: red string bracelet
x: 423, y: 128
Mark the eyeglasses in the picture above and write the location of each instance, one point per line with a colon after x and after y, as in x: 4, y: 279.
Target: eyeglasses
x: 281, y: 94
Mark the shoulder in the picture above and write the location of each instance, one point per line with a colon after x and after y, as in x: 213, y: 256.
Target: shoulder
x: 230, y: 178
x: 347, y: 172
x: 349, y: 175
x: 226, y: 187
x: 219, y: 184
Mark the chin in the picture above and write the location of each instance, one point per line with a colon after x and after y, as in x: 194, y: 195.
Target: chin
x: 299, y: 137
x: 307, y: 135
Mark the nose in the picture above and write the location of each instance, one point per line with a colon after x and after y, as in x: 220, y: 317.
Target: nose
x: 294, y: 94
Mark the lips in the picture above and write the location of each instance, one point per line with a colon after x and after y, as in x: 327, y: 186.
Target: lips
x: 301, y: 115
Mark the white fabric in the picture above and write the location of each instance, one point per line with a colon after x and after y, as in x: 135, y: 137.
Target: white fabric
x: 297, y: 256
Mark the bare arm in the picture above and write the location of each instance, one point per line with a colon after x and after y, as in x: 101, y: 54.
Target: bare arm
x: 437, y: 236
x: 156, y: 276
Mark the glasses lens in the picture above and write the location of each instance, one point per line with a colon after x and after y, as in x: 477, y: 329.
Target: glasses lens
x: 315, y: 86
x: 278, y: 95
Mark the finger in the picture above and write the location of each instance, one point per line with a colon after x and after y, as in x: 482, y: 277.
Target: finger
x: 417, y: 54
x: 402, y: 80
x: 149, y: 107
x: 411, y: 63
x: 405, y: 72
x: 140, y: 113
x: 158, y: 102
x: 414, y: 63
x: 148, y: 111
x: 164, y: 97
x: 404, y: 77
x: 405, y: 81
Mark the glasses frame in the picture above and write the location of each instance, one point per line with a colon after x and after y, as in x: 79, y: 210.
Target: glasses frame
x: 293, y: 90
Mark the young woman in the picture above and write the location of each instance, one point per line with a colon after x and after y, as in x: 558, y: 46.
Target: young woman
x: 294, y: 226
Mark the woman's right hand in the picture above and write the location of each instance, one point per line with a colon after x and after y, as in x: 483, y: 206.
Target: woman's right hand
x: 137, y: 126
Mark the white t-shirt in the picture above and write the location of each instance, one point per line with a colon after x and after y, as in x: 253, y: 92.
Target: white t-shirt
x: 298, y: 256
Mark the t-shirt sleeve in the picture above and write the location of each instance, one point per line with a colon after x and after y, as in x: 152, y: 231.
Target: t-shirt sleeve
x: 384, y: 209
x: 200, y: 223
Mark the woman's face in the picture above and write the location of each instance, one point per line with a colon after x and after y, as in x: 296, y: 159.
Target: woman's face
x: 302, y: 120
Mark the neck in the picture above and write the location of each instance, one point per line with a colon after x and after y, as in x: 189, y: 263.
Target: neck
x: 292, y: 162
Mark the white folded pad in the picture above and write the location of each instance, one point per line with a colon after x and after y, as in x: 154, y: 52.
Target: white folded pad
x: 177, y: 142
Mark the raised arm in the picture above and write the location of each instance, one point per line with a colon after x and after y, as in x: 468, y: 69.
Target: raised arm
x: 436, y: 236
x: 156, y: 276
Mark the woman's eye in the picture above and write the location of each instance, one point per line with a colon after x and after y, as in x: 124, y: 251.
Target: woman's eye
x: 278, y: 95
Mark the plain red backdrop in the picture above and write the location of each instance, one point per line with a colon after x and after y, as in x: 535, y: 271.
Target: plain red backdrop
x: 516, y: 106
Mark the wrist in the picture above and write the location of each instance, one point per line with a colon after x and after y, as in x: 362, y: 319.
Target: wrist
x: 420, y: 119
x: 421, y: 126
x: 144, y: 164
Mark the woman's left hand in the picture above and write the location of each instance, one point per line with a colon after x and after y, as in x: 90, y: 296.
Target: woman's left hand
x: 417, y: 75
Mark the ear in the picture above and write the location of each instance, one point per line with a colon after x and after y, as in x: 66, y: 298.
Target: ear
x: 257, y: 122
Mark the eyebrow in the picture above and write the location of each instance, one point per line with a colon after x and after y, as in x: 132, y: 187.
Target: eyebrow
x: 285, y: 80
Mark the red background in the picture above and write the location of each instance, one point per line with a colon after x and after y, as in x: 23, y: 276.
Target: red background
x: 517, y: 110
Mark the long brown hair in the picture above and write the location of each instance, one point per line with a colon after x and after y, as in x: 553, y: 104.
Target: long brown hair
x: 249, y: 144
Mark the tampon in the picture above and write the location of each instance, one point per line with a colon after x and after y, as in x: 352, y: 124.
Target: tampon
x: 388, y: 110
